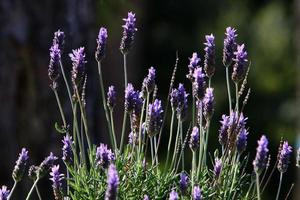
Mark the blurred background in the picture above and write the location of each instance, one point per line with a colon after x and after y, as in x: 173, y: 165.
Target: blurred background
x: 269, y: 29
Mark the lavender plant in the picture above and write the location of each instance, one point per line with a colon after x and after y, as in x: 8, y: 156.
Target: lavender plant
x: 136, y: 170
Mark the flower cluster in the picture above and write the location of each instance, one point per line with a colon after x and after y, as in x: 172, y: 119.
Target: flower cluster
x: 101, y: 44
x: 155, y: 118
x: 20, y: 166
x: 128, y: 33
x: 104, y: 156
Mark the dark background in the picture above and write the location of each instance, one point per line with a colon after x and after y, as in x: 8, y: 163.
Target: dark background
x: 28, y: 107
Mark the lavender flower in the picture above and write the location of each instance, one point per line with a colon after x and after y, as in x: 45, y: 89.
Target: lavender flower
x: 133, y: 101
x: 104, y: 156
x: 194, y: 63
x: 196, y: 193
x: 208, y: 103
x: 223, y: 132
x: 209, y: 58
x: 183, y: 183
x: 199, y: 83
x: 20, y: 165
x: 146, y: 197
x: 111, y: 97
x: 59, y: 39
x: 229, y: 46
x: 240, y: 64
x: 56, y: 179
x: 32, y: 172
x: 149, y: 81
x: 129, y: 30
x: 101, y: 44
x: 112, y: 183
x: 241, y: 141
x: 261, y: 158
x: 67, y: 149
x: 284, y: 157
x: 173, y: 195
x: 46, y: 165
x: 53, y: 69
x: 4, y: 193
x: 217, y: 167
x: 155, y: 118
x: 194, y: 139
x: 179, y: 101
x: 78, y: 70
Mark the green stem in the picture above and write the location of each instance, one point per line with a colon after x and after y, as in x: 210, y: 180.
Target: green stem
x: 12, y: 190
x: 33, y: 186
x: 201, y: 135
x: 140, y: 131
x: 228, y: 89
x: 181, y: 138
x: 76, y: 133
x: 279, y: 187
x: 104, y: 104
x: 155, y: 155
x: 206, y: 142
x: 60, y: 108
x: 151, y: 147
x: 170, y: 138
x: 176, y: 144
x: 123, y: 131
x: 125, y: 70
x: 193, y: 111
x: 113, y: 130
x: 257, y: 186
x: 237, y: 97
x: 66, y: 83
x: 209, y: 82
x: 38, y: 192
x: 193, y: 168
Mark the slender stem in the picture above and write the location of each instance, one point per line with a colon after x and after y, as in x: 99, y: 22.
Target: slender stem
x: 104, y: 104
x: 170, y: 138
x: 228, y: 89
x: 155, y: 155
x: 206, y: 142
x: 181, y: 138
x: 33, y: 186
x: 82, y: 140
x: 209, y: 82
x: 66, y: 83
x: 38, y: 192
x: 250, y: 187
x: 279, y: 187
x: 113, y: 130
x: 123, y: 131
x: 151, y: 147
x: 237, y: 97
x: 140, y: 130
x: 193, y: 111
x: 176, y: 144
x: 60, y: 108
x: 125, y: 70
x: 193, y: 168
x: 12, y: 190
x: 257, y: 186
x: 201, y: 135
x: 68, y: 181
x: 76, y: 133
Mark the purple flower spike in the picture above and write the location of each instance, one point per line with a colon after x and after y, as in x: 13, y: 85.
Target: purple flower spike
x: 20, y: 166
x: 104, y: 156
x: 53, y: 69
x: 67, y: 149
x: 209, y: 57
x: 199, y: 83
x: 196, y: 193
x: 111, y: 97
x: 56, y: 179
x: 240, y: 64
x: 78, y: 70
x: 133, y: 101
x: 59, y: 39
x: 4, y: 193
x: 173, y: 195
x: 46, y: 165
x: 155, y: 118
x: 223, y: 132
x: 129, y: 30
x: 217, y: 168
x: 241, y: 142
x: 229, y: 46
x: 179, y: 101
x: 146, y: 197
x: 112, y: 183
x: 101, y: 44
x: 194, y: 63
x: 195, y: 139
x: 149, y: 81
x: 183, y: 183
x: 208, y: 103
x: 284, y: 157
x: 261, y: 157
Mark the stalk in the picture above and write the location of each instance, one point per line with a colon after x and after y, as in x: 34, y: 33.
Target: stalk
x: 32, y: 187
x: 170, y: 138
x: 12, y: 190
x: 155, y: 156
x: 104, y: 104
x: 228, y: 89
x: 38, y: 192
x: 201, y: 143
x: 279, y: 187
x: 66, y: 83
x: 60, y: 108
x: 123, y: 131
x: 237, y: 97
x: 193, y: 111
x: 125, y: 70
x: 176, y: 144
x: 181, y: 138
x: 113, y: 130
x: 206, y: 141
x: 257, y: 186
x: 193, y: 168
x: 140, y: 131
x: 151, y: 147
